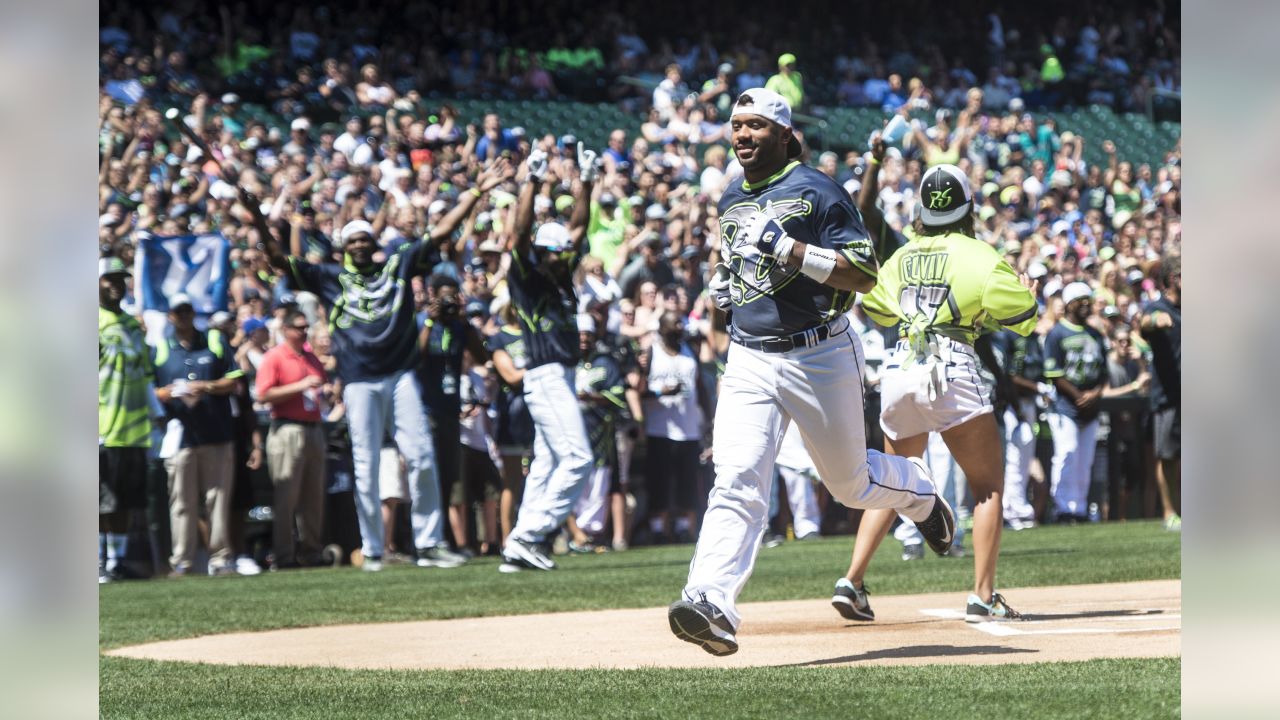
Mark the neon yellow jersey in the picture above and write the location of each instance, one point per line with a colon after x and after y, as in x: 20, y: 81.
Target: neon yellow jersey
x: 951, y: 285
x: 124, y: 371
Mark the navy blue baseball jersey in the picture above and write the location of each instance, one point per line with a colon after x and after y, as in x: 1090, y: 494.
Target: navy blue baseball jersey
x: 1166, y: 356
x: 601, y: 375
x: 1077, y: 353
x: 371, y: 315
x: 547, y: 311
x: 771, y: 298
x: 1019, y: 356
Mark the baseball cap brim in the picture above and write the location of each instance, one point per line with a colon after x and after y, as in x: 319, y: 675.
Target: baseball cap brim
x: 933, y: 217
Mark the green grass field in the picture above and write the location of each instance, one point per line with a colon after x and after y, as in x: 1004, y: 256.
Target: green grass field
x: 132, y: 613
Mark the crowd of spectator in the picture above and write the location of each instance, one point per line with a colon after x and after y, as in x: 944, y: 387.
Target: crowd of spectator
x: 400, y: 167
x: 301, y: 57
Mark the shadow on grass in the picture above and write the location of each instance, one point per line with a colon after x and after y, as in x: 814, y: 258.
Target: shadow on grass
x: 916, y: 651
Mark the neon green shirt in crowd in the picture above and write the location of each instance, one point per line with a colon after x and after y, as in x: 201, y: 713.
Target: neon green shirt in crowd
x: 606, y: 234
x: 124, y: 371
x: 790, y: 87
x: 951, y: 285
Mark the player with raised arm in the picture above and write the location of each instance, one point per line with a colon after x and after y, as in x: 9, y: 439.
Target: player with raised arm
x: 546, y: 304
x: 794, y: 254
x: 944, y: 288
x: 371, y: 320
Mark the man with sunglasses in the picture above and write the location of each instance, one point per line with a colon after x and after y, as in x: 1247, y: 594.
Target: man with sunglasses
x: 546, y: 304
x: 290, y: 380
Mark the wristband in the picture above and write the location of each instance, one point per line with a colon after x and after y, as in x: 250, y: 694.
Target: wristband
x: 874, y: 161
x: 819, y: 263
x: 476, y: 192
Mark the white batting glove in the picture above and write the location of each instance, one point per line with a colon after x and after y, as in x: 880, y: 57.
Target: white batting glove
x: 537, y: 163
x: 763, y: 230
x: 589, y: 163
x: 718, y: 287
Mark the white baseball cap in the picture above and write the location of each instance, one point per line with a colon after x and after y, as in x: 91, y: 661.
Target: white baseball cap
x: 300, y: 124
x: 177, y: 300
x: 436, y: 207
x: 355, y: 227
x: 553, y: 236
x: 1075, y: 291
x: 772, y: 107
x: 586, y: 323
x: 112, y: 266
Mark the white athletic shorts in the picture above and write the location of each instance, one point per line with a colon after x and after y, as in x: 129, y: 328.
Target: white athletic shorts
x: 932, y: 397
x: 393, y: 483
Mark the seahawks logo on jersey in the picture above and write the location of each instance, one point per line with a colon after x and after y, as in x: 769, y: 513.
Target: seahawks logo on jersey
x: 377, y: 297
x: 753, y: 275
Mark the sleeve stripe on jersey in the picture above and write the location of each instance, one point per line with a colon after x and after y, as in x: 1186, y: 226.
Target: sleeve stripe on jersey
x: 1021, y: 317
x: 297, y: 276
x: 1055, y: 373
x: 854, y: 261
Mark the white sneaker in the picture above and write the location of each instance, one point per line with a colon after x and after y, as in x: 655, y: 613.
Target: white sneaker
x: 246, y: 565
x: 913, y: 552
x: 371, y: 564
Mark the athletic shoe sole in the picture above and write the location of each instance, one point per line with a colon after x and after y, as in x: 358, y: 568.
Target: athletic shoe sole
x: 425, y: 563
x: 692, y: 626
x: 849, y: 611
x: 508, y: 568
x: 516, y: 554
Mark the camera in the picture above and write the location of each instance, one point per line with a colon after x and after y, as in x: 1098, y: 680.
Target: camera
x: 449, y: 306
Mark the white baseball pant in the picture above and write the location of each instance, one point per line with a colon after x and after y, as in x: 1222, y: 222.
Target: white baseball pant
x: 1019, y: 450
x: 1073, y: 449
x: 370, y: 406
x: 820, y: 388
x: 593, y: 503
x: 803, y: 500
x: 562, y: 459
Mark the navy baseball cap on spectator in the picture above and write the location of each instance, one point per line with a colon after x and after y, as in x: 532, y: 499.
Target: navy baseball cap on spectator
x: 607, y: 199
x: 476, y: 265
x: 252, y: 325
x: 286, y: 300
x: 477, y: 308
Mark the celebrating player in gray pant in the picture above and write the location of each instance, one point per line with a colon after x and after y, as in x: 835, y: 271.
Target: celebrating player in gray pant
x: 541, y: 284
x: 794, y: 254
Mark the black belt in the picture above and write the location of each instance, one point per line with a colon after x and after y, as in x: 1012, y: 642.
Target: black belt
x: 803, y: 339
x: 277, y: 422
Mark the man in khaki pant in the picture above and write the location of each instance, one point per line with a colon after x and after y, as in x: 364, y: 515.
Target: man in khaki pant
x: 290, y: 380
x: 193, y: 382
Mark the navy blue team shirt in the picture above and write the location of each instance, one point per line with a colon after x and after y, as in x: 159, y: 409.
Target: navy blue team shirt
x: 1079, y: 354
x: 371, y: 315
x: 771, y: 298
x: 547, y: 311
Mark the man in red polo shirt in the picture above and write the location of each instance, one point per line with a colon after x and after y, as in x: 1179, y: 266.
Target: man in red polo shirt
x: 290, y: 380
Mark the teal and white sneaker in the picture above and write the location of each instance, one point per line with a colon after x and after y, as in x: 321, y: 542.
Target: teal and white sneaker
x: 996, y: 610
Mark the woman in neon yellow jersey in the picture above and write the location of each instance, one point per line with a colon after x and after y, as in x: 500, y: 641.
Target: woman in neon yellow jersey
x: 945, y: 288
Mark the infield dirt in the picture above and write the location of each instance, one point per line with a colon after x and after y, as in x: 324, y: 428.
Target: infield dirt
x: 1075, y: 622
